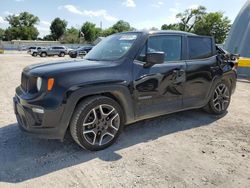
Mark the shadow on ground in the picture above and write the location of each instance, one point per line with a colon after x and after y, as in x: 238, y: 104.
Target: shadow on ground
x: 23, y: 158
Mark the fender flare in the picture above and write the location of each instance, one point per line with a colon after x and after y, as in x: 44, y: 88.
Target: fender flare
x: 76, y: 94
x: 218, y: 79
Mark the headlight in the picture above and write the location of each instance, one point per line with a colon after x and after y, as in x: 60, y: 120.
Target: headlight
x: 39, y: 83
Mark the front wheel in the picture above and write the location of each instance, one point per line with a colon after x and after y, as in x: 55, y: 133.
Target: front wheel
x: 96, y: 123
x: 62, y: 54
x: 220, y: 99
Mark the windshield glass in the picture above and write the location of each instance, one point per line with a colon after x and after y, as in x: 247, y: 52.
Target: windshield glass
x: 112, y: 47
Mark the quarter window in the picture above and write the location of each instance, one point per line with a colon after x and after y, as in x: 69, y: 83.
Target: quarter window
x: 200, y: 47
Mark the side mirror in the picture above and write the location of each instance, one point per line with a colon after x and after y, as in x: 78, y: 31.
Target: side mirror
x: 153, y: 58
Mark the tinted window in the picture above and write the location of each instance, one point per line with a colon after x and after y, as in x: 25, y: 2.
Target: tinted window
x: 170, y: 45
x: 58, y: 48
x: 200, y: 47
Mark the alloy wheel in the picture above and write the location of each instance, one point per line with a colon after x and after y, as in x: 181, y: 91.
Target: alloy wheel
x: 101, y: 125
x: 221, y: 97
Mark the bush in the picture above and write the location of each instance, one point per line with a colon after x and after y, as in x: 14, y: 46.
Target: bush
x: 1, y: 51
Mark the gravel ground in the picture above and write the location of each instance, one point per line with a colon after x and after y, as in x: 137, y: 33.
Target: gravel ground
x: 186, y: 149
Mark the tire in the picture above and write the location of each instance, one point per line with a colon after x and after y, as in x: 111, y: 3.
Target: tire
x: 220, y: 99
x: 43, y: 54
x: 96, y: 123
x: 73, y: 55
x: 62, y: 54
x: 34, y: 54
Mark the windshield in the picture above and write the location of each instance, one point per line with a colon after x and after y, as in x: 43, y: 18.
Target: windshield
x: 112, y: 47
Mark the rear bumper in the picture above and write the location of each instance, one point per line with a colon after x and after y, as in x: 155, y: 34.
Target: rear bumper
x: 41, y: 125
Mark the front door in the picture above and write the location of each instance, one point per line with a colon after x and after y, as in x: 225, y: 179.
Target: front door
x: 159, y: 89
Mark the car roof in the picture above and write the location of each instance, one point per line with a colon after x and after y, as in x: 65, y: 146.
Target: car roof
x: 58, y: 46
x: 149, y: 32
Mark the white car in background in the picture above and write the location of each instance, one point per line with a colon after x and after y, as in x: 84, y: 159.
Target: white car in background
x: 34, y: 50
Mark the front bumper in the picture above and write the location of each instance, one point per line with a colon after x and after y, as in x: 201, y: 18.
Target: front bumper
x: 41, y: 125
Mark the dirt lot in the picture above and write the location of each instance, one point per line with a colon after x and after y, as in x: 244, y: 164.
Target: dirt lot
x: 187, y: 149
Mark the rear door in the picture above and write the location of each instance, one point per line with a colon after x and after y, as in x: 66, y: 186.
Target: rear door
x: 159, y: 89
x: 201, y: 68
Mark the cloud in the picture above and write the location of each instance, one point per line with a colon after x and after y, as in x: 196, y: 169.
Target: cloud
x: 90, y: 13
x: 157, y: 4
x: 193, y: 6
x: 71, y: 8
x: 129, y: 3
x: 8, y: 13
x: 19, y: 0
x: 43, y: 30
x: 2, y: 21
x: 100, y: 13
x: 172, y: 18
x: 45, y: 22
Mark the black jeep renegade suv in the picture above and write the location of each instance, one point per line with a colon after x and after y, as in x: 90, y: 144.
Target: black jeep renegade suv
x: 126, y: 78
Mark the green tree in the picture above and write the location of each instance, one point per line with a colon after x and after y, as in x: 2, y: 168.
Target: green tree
x: 2, y: 33
x: 71, y: 36
x: 58, y: 28
x: 22, y: 26
x: 170, y: 27
x: 121, y: 26
x: 213, y: 24
x: 190, y: 17
x: 48, y: 37
x: 107, y: 32
x: 90, y: 31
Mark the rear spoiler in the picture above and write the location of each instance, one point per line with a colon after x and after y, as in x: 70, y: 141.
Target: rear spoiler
x: 224, y: 57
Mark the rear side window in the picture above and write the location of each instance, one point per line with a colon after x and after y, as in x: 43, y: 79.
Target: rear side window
x: 199, y: 47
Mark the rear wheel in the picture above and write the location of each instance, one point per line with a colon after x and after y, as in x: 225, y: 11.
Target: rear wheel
x: 97, y: 123
x: 34, y: 54
x: 43, y: 54
x: 220, y: 99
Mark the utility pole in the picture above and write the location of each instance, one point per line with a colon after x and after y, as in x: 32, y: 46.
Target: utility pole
x: 101, y: 25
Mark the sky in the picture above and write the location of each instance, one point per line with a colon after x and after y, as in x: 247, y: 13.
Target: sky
x: 141, y: 14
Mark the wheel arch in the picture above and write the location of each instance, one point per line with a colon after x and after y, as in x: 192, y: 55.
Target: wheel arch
x: 119, y: 93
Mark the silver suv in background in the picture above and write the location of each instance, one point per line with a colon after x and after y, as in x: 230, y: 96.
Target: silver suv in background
x: 34, y: 50
x: 61, y: 51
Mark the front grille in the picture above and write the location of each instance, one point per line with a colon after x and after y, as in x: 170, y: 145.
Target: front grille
x: 28, y: 83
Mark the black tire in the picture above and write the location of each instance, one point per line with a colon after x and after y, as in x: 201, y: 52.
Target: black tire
x: 91, y: 135
x: 34, y: 54
x: 62, y: 54
x: 73, y: 55
x: 219, y: 102
x: 43, y: 54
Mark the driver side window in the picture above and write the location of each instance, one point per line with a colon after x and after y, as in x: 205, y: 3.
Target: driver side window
x: 169, y: 44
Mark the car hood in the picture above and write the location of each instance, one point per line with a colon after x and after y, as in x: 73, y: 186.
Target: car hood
x: 52, y: 68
